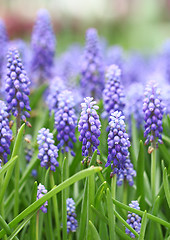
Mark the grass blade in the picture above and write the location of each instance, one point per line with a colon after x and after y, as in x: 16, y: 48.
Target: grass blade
x: 94, y: 232
x: 143, y: 226
x: 110, y: 214
x: 166, y: 186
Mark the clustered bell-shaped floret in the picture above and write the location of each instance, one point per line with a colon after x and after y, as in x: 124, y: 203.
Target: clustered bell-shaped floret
x: 43, y: 45
x: 71, y: 216
x: 17, y: 86
x: 66, y: 121
x: 48, y: 152
x: 113, y: 96
x: 92, y: 67
x: 153, y: 109
x: 5, y: 133
x: 3, y: 44
x: 89, y: 127
x: 133, y: 220
x: 118, y: 154
x: 40, y: 193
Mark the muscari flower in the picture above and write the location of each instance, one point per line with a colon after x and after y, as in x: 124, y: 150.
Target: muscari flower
x: 17, y: 87
x: 133, y: 220
x: 48, y: 152
x: 4, y: 45
x: 71, y: 216
x: 43, y: 47
x: 115, y: 56
x: 5, y: 133
x: 153, y: 109
x: 113, y: 96
x: 118, y: 154
x: 55, y: 88
x: 40, y: 193
x: 65, y: 121
x: 89, y: 127
x: 92, y: 67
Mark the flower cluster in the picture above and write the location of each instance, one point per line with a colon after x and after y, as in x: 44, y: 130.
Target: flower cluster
x: 89, y: 127
x: 71, y: 216
x: 56, y: 86
x: 17, y: 87
x: 40, y: 193
x: 48, y: 152
x: 4, y: 45
x: 133, y: 219
x: 92, y: 68
x: 113, y: 95
x: 118, y: 144
x: 115, y: 56
x: 65, y: 121
x: 153, y: 109
x: 43, y: 47
x: 5, y: 133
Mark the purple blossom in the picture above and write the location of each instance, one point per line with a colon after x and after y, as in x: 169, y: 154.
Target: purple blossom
x: 113, y: 95
x: 92, y: 67
x: 55, y: 88
x: 115, y: 56
x: 41, y: 191
x: 65, y: 121
x: 48, y: 152
x: 5, y: 133
x: 4, y: 46
x: 118, y: 154
x: 43, y: 47
x: 71, y: 216
x: 153, y: 109
x: 133, y: 219
x: 17, y: 86
x: 89, y: 127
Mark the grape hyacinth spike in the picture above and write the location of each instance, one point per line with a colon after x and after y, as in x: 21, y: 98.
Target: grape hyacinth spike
x: 71, y: 216
x: 40, y: 193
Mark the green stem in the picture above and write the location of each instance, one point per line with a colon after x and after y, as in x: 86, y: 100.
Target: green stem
x: 113, y: 195
x: 64, y: 193
x: 124, y: 192
x: 37, y: 225
x: 55, y: 205
x: 66, y: 172
x: 153, y: 173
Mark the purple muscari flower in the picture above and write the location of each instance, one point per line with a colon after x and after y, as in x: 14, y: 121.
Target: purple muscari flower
x: 40, y: 193
x: 5, y: 133
x: 89, y: 127
x: 17, y: 86
x: 92, y: 68
x: 134, y: 105
x: 133, y: 219
x: 43, y: 47
x: 118, y: 154
x: 56, y: 86
x: 65, y: 121
x: 153, y: 109
x: 3, y: 44
x: 48, y: 152
x: 71, y: 216
x: 113, y: 95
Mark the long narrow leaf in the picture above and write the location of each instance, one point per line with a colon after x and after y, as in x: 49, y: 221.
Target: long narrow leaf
x: 143, y: 226
x: 95, y: 234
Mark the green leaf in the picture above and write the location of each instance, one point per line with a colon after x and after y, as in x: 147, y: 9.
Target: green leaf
x: 33, y: 220
x: 139, y: 212
x: 140, y: 177
x: 165, y: 153
x: 94, y: 233
x: 110, y: 214
x: 5, y: 226
x: 99, y: 214
x: 83, y: 214
x: 21, y: 225
x: 34, y: 206
x: 6, y: 166
x: 143, y: 226
x: 166, y: 186
x: 99, y: 192
x: 94, y: 158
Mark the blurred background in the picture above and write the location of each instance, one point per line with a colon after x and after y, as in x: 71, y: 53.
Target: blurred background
x: 134, y: 24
